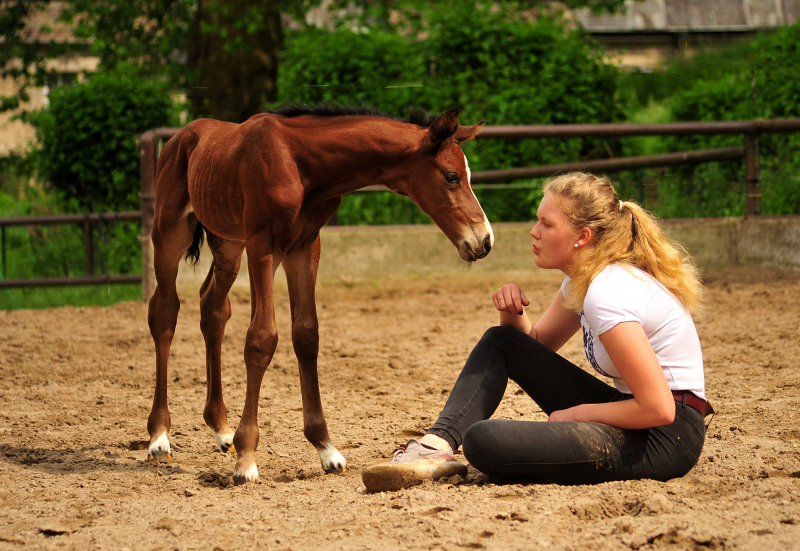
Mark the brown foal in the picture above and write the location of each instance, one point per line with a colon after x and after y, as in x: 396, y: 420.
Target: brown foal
x: 267, y: 186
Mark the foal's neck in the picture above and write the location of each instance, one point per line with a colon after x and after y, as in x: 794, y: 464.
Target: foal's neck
x: 344, y: 154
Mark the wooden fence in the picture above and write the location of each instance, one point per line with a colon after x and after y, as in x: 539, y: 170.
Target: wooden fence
x: 84, y: 220
x: 151, y: 140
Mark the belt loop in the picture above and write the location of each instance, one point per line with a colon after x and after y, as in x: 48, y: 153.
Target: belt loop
x: 685, y: 394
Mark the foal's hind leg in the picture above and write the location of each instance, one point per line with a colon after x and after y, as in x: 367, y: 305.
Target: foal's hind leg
x: 301, y: 275
x: 169, y: 244
x: 215, y: 311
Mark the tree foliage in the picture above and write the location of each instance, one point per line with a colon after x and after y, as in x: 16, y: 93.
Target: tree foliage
x: 491, y: 63
x: 224, y: 52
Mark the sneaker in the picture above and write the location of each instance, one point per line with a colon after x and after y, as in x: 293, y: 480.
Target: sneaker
x: 412, y: 464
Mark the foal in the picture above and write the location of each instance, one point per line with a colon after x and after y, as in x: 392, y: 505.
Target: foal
x: 267, y: 186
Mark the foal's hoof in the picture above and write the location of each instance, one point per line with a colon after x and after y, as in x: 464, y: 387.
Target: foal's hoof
x: 332, y: 461
x: 225, y: 442
x: 159, y: 450
x: 159, y: 457
x: 244, y: 476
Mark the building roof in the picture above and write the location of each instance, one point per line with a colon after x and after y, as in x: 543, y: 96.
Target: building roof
x: 687, y: 16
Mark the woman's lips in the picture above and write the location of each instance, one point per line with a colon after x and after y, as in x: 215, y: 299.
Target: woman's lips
x: 536, y: 250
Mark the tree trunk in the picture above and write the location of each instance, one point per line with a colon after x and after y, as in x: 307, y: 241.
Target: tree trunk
x: 233, y: 50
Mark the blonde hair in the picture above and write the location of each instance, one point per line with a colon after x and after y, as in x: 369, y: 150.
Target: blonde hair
x: 624, y: 233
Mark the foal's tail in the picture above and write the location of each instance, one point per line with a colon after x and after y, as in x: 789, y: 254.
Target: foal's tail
x: 193, y: 252
x: 172, y: 185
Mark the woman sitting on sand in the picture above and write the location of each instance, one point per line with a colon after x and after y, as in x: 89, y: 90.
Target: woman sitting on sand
x: 632, y: 292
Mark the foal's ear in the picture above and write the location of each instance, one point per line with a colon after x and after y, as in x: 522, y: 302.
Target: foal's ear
x: 443, y: 127
x: 465, y: 133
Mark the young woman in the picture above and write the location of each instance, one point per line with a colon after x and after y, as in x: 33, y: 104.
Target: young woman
x: 633, y: 292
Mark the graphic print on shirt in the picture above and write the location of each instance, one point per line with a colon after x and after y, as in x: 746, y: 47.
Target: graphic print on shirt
x: 588, y: 346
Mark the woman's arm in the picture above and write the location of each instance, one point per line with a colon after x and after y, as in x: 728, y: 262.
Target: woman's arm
x: 652, y: 404
x: 553, y: 329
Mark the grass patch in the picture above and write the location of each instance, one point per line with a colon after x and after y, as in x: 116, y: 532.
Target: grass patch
x: 78, y: 295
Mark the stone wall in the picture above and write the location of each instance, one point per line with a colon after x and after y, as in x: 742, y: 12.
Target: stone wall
x: 364, y: 252
x: 353, y: 253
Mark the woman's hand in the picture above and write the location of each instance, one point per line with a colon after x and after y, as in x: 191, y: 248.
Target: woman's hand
x: 571, y: 414
x: 510, y: 298
x: 652, y: 404
x: 510, y: 301
x: 553, y: 329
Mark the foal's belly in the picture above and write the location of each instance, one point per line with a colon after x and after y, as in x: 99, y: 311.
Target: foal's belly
x: 233, y: 195
x: 217, y: 206
x: 214, y: 192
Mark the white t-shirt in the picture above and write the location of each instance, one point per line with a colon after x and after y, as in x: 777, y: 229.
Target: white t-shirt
x: 623, y: 293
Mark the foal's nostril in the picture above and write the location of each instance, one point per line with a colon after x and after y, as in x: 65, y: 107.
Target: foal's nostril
x: 487, y: 244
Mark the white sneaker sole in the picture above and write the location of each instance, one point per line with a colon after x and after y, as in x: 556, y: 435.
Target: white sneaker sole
x: 390, y: 477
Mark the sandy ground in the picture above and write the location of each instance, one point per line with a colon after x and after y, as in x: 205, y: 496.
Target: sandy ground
x: 76, y: 388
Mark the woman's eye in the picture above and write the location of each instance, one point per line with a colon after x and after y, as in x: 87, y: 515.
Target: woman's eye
x: 452, y: 178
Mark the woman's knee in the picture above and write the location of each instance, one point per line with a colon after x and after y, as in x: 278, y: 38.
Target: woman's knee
x: 480, y: 445
x: 519, y: 350
x: 499, y: 333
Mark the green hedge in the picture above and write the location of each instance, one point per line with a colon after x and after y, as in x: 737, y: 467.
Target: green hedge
x: 88, y: 137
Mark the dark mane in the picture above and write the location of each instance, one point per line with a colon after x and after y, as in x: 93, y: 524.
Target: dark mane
x: 328, y: 109
x: 419, y: 117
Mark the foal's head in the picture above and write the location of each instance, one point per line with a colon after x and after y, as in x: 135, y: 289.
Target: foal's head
x: 437, y: 178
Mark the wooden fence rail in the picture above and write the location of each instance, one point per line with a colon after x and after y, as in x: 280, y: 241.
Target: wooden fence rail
x: 85, y: 220
x: 488, y: 179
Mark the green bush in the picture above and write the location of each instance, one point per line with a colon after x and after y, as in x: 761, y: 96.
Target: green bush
x: 378, y: 68
x: 488, y: 62
x: 642, y: 88
x: 499, y: 67
x: 89, y: 161
x: 718, y: 189
x: 16, y: 173
x: 88, y: 137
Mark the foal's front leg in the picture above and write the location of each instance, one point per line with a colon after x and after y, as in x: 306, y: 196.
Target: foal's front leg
x: 301, y: 274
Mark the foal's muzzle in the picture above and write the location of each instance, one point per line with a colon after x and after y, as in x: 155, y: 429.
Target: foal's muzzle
x: 475, y: 249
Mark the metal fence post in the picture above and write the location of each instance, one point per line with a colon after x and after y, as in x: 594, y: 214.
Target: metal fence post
x: 752, y: 204
x: 4, y: 270
x: 88, y: 245
x: 148, y: 173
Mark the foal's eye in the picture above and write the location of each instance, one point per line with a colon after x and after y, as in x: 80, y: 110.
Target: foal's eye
x: 452, y: 178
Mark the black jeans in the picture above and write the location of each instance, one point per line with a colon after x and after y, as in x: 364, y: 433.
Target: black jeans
x: 565, y: 452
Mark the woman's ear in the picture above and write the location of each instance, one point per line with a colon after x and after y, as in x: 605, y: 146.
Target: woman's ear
x: 584, y: 237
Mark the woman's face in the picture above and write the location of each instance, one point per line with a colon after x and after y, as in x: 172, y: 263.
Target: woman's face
x: 553, y: 237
